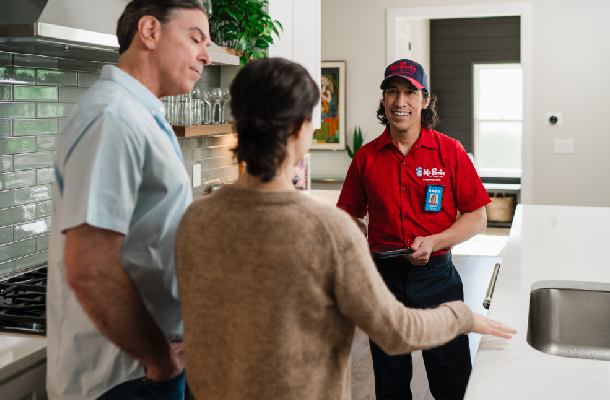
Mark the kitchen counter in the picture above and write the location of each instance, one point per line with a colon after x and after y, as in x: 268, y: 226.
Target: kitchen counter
x: 549, y: 246
x: 22, y: 365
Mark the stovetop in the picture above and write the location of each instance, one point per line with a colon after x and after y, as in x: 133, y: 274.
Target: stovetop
x: 22, y: 302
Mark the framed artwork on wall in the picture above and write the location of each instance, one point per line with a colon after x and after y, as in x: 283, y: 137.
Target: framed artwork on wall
x: 331, y: 135
x: 301, y: 174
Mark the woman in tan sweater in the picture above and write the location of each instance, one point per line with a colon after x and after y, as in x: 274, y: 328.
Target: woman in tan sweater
x: 274, y: 284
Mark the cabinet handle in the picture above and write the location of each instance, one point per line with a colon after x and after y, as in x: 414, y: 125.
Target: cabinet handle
x: 491, y: 287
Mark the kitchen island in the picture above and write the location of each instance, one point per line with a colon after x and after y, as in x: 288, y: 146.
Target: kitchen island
x: 548, y: 247
x: 22, y: 366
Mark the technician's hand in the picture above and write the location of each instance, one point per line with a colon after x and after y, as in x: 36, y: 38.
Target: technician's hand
x: 422, y: 248
x: 171, y: 367
x: 488, y: 326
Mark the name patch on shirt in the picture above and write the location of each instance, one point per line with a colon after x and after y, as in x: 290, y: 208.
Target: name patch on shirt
x: 434, y: 197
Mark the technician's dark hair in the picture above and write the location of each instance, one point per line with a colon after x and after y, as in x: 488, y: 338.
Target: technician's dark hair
x: 429, y: 116
x: 160, y: 9
x: 270, y: 100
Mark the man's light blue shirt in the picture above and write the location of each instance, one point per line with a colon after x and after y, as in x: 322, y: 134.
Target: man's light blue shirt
x: 118, y: 167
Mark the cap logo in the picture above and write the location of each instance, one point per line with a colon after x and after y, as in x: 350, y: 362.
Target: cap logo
x: 403, y: 67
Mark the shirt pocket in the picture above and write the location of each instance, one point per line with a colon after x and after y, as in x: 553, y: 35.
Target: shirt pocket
x: 418, y: 199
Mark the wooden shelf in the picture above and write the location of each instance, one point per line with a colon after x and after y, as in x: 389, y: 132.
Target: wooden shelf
x: 203, y: 130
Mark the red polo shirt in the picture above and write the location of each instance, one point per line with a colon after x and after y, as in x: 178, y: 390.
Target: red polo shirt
x: 391, y: 188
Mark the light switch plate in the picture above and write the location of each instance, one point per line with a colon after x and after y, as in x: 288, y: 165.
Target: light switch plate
x: 556, y: 114
x: 196, y: 175
x: 564, y: 146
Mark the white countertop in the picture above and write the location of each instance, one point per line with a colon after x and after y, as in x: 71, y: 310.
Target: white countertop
x: 19, y: 352
x: 546, y: 243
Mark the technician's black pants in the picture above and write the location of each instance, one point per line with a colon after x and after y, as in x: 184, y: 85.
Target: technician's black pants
x: 448, y: 366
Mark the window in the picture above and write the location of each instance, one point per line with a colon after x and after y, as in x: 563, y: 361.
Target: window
x: 498, y: 119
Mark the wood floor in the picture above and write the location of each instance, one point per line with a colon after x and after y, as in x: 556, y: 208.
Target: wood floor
x: 475, y: 273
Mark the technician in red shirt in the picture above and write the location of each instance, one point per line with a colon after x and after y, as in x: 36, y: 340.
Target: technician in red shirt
x: 411, y: 181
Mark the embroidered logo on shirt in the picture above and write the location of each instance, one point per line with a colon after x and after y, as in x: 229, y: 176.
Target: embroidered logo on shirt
x: 418, y: 171
x: 436, y: 172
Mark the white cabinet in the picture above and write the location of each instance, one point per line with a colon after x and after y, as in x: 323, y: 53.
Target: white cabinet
x: 300, y: 41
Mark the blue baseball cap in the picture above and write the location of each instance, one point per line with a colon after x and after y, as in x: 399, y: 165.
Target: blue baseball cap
x: 408, y: 69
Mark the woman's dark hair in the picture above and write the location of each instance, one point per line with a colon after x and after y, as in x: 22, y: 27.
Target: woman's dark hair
x: 429, y: 116
x: 270, y: 100
x: 160, y: 9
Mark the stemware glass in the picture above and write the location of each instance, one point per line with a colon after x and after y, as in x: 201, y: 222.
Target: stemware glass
x: 207, y: 100
x: 216, y: 95
x: 226, y: 96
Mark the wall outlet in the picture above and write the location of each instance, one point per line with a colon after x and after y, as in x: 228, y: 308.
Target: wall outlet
x: 564, y: 146
x: 196, y: 175
x: 549, y: 121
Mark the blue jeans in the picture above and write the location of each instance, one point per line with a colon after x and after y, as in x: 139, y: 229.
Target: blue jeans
x: 448, y: 366
x: 146, y: 389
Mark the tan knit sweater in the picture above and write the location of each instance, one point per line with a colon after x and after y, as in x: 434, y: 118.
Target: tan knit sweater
x: 273, y: 285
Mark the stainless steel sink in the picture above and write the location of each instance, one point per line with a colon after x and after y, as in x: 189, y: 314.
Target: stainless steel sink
x: 570, y: 323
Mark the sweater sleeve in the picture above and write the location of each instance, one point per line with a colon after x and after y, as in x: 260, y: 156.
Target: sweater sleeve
x: 363, y: 297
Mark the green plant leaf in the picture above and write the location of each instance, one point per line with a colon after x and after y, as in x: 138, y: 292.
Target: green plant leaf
x: 243, y: 44
x: 349, y: 152
x: 280, y: 25
x: 236, y: 16
x: 256, y: 55
x: 230, y: 36
x: 243, y: 60
x: 262, y: 44
x: 230, y: 27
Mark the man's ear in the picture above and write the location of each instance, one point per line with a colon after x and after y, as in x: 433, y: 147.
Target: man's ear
x: 149, y: 31
x: 427, y: 102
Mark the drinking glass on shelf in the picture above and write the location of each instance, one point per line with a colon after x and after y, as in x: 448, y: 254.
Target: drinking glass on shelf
x: 196, y: 106
x: 207, y: 100
x: 226, y: 96
x: 216, y: 95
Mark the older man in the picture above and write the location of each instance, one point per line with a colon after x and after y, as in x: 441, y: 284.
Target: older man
x: 114, y: 320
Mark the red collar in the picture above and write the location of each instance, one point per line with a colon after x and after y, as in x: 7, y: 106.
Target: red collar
x: 426, y: 139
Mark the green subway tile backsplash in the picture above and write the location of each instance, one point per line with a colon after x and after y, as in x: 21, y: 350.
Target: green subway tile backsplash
x: 71, y: 93
x: 14, y: 180
x: 17, y: 145
x: 7, y: 267
x: 41, y: 93
x: 42, y: 242
x: 75, y: 65
x: 6, y: 163
x: 44, y: 208
x: 31, y: 194
x: 87, y: 80
x: 34, y: 126
x: 36, y: 96
x: 46, y: 142
x: 60, y: 78
x: 17, y: 110
x: 33, y: 160
x: 6, y: 234
x: 32, y: 260
x: 17, y: 75
x: 45, y: 175
x: 19, y: 214
x: 54, y: 110
x: 7, y: 199
x: 5, y: 93
x: 34, y: 61
x: 33, y: 228
x: 6, y: 58
x: 5, y: 127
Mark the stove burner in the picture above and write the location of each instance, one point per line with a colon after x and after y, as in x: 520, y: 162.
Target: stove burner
x: 22, y: 302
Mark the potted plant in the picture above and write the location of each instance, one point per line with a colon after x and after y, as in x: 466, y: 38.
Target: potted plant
x: 243, y: 25
x: 358, y: 140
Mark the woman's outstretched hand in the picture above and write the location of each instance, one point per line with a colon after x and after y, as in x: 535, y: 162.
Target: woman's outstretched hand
x: 486, y: 326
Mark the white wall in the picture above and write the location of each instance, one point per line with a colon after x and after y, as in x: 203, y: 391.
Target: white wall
x: 571, y: 54
x: 420, y: 43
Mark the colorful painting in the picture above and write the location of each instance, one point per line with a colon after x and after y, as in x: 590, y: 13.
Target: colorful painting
x: 331, y: 135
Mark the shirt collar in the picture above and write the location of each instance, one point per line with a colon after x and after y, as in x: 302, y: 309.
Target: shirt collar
x: 426, y: 138
x: 135, y: 87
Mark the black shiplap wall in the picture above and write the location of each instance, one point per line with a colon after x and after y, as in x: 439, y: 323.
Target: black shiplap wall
x: 456, y: 44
